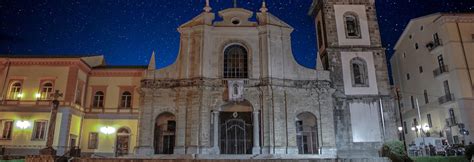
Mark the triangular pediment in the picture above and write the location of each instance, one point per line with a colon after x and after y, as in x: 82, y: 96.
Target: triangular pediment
x: 270, y: 19
x: 235, y: 17
x: 204, y: 18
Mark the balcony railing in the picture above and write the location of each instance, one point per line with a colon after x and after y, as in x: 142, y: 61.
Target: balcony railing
x: 47, y: 103
x: 441, y: 70
x: 433, y: 44
x: 446, y: 98
x: 450, y: 122
x: 112, y: 110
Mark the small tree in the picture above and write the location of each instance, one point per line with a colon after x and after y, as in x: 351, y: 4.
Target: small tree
x: 395, y: 151
x: 469, y: 151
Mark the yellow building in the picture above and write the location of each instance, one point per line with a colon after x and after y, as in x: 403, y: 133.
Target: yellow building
x: 98, y: 112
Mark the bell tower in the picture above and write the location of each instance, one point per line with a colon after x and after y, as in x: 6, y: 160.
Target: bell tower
x: 349, y: 45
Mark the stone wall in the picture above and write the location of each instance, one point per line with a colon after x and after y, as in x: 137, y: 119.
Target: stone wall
x: 278, y: 101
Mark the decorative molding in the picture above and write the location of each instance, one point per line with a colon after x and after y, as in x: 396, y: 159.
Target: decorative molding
x: 456, y: 19
x: 51, y: 62
x: 208, y: 82
x: 117, y: 73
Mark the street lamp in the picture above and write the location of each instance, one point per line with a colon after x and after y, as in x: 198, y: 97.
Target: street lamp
x: 400, y: 131
x: 397, y: 90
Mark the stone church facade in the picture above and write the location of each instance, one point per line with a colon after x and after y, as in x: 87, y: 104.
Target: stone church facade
x: 235, y: 88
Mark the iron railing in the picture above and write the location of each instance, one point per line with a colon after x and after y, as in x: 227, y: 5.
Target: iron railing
x: 451, y: 122
x: 446, y: 98
x: 433, y: 44
x: 441, y: 70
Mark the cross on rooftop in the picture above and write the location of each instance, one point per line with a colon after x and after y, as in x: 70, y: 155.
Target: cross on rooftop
x: 235, y: 3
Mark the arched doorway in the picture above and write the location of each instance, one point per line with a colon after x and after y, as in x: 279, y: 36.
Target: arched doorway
x: 307, y: 134
x: 122, y: 142
x: 236, y: 128
x: 165, y: 133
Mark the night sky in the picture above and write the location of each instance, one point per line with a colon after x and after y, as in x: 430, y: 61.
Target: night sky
x: 127, y: 31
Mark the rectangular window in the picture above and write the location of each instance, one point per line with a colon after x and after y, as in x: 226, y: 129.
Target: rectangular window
x: 412, y: 102
x: 472, y: 36
x: 441, y: 63
x: 430, y: 123
x: 405, y: 127
x: 421, y: 69
x: 452, y: 117
x: 93, y: 140
x: 404, y: 55
x: 447, y: 91
x: 456, y: 139
x: 425, y: 93
x: 6, y: 127
x: 436, y: 40
x: 408, y: 76
x: 39, y: 130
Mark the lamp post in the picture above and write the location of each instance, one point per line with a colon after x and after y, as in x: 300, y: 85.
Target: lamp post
x: 401, y: 118
x: 400, y: 134
x: 49, y: 150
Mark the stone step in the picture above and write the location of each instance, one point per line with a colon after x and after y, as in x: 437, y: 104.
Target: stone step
x: 216, y: 158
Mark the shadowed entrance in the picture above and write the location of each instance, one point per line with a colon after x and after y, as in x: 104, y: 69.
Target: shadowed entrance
x: 165, y: 129
x: 236, y: 128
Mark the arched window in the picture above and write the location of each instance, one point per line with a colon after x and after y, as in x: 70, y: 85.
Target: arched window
x: 98, y: 100
x: 126, y: 100
x: 352, y: 26
x: 307, y: 134
x: 46, y: 89
x: 235, y: 62
x: 359, y: 73
x: 15, y: 91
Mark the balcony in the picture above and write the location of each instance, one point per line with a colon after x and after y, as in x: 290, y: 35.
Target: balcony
x: 433, y: 44
x: 450, y: 122
x: 441, y: 70
x: 112, y: 110
x: 35, y: 104
x: 446, y: 98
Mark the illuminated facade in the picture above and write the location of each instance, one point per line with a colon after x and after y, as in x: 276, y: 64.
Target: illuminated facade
x: 432, y: 65
x: 100, y: 104
x: 234, y: 91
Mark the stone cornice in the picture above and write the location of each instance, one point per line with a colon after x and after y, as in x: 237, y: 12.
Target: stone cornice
x: 212, y: 82
x: 117, y: 73
x: 460, y: 18
x: 50, y: 62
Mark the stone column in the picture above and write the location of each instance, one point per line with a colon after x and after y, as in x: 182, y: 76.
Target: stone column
x: 256, y: 133
x: 216, y: 132
x: 146, y: 126
x: 52, y: 123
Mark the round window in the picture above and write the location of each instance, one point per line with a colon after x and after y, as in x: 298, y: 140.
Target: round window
x: 235, y: 21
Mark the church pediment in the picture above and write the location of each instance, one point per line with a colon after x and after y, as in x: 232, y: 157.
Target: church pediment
x: 204, y: 18
x: 269, y: 19
x: 235, y: 17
